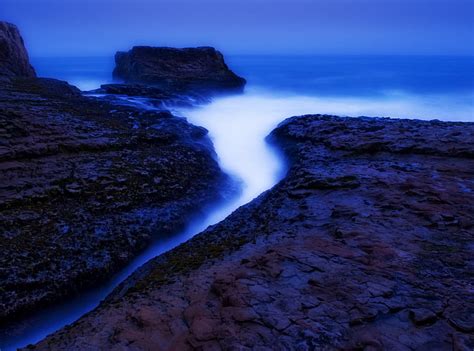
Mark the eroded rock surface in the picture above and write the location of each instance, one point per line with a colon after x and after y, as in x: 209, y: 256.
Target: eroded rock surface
x: 367, y: 244
x: 85, y: 185
x: 176, y: 69
x: 14, y: 61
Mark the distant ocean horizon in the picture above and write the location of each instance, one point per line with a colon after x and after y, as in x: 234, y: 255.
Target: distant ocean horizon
x: 427, y: 87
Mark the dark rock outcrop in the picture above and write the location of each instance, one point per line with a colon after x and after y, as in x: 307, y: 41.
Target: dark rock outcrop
x: 85, y: 185
x: 365, y: 245
x: 14, y: 61
x: 201, y: 68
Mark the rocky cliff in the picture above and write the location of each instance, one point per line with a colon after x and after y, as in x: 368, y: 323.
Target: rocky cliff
x: 14, y: 61
x: 189, y: 68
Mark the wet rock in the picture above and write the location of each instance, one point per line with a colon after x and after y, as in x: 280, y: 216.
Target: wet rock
x: 190, y: 68
x: 14, y: 61
x: 85, y: 186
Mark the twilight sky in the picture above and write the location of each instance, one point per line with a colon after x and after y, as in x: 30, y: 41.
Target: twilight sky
x: 101, y: 27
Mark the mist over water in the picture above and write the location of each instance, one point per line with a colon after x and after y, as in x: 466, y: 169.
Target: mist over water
x: 260, y: 109
x: 424, y: 87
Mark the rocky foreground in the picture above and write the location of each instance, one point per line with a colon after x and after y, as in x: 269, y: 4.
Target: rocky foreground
x: 85, y: 185
x: 367, y: 244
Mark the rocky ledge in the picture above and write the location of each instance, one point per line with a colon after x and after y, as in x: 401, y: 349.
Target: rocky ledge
x: 85, y: 186
x: 365, y: 245
x: 189, y: 69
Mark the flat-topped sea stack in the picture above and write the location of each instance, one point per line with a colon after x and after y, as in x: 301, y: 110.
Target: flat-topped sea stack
x: 201, y: 68
x: 14, y: 61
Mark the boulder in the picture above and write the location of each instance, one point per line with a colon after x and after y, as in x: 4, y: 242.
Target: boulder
x: 189, y: 68
x: 14, y: 61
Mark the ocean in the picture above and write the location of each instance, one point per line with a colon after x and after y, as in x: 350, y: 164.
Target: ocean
x: 427, y: 87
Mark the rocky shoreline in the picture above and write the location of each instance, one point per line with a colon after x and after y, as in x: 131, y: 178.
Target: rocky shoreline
x: 365, y: 245
x: 86, y: 184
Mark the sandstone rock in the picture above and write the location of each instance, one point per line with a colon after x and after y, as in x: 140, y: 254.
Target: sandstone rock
x: 14, y: 61
x: 189, y: 68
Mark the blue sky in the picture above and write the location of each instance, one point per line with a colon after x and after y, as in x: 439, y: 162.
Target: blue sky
x: 101, y: 27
